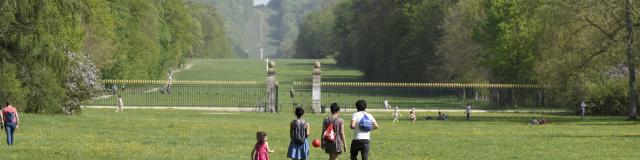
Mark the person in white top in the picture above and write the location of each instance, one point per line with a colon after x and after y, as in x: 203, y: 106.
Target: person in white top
x: 468, y: 111
x: 361, y: 137
x: 120, y: 104
x: 386, y: 104
x: 396, y: 114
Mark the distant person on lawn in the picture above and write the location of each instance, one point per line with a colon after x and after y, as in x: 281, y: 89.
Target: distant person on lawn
x: 10, y: 121
x: 386, y: 103
x: 468, y: 111
x: 299, y: 133
x: 120, y: 104
x: 362, y: 123
x: 395, y: 114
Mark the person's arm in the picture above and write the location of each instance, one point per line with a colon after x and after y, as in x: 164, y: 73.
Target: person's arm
x: 253, y: 152
x: 342, y: 136
x: 291, y: 130
x: 324, y: 129
x: 353, y: 121
x: 306, y: 125
x: 17, y: 119
x: 375, y: 123
x: 268, y: 149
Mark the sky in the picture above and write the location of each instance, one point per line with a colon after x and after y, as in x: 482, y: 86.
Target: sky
x: 259, y: 2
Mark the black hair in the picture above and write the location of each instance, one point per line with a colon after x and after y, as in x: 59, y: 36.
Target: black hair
x: 334, y: 108
x: 361, y: 105
x: 7, y: 103
x: 260, y: 136
x: 299, y: 112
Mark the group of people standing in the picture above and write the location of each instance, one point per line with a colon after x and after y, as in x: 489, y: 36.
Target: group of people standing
x: 332, y: 137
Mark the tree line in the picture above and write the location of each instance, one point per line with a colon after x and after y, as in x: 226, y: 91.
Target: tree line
x: 582, y: 49
x: 53, y: 52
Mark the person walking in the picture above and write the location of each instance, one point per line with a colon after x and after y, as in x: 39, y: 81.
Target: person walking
x: 468, y: 111
x: 362, y: 123
x: 333, y: 133
x: 386, y: 103
x: 120, y: 104
x: 10, y: 121
x: 299, y: 133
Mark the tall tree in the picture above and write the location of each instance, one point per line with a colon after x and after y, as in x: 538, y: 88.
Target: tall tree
x: 633, y: 88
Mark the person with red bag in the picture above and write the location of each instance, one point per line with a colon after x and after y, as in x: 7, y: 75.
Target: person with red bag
x: 333, y: 133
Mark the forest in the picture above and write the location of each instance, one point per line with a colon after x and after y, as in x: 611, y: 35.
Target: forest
x: 53, y: 52
x: 583, y: 50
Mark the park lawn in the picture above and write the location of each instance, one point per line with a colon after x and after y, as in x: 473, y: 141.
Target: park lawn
x: 172, y: 134
x: 287, y: 70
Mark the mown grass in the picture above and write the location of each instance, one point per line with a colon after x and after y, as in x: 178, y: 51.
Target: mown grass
x: 172, y: 134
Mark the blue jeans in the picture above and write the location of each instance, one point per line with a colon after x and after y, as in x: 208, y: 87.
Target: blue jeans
x: 10, y: 128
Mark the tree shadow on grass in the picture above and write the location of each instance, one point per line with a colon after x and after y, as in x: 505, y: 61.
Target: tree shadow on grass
x: 524, y: 119
x: 594, y: 136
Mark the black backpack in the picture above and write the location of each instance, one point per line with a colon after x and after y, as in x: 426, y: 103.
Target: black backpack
x: 8, y: 117
x: 299, y: 132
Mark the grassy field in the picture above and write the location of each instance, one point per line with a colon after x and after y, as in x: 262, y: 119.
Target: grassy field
x: 170, y: 134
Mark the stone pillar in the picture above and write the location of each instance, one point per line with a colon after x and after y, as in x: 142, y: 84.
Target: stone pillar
x: 316, y: 94
x: 271, y: 87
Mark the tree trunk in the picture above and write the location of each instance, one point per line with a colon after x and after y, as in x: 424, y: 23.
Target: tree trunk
x: 633, y: 93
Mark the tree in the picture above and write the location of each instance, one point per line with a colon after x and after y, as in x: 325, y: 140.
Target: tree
x: 633, y: 92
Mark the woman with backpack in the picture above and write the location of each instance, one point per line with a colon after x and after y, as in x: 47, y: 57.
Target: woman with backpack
x: 333, y: 133
x: 298, y: 131
x: 10, y: 121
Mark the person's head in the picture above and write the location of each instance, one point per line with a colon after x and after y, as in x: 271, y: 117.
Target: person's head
x: 468, y: 104
x: 119, y: 96
x: 261, y: 136
x: 396, y: 107
x: 299, y: 112
x: 335, y: 108
x: 361, y: 105
x: 410, y: 112
x: 7, y: 103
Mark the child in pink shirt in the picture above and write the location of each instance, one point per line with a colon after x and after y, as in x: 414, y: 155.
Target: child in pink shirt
x: 261, y: 149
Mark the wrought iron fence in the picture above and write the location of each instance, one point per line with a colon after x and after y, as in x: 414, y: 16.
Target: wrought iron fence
x: 183, y: 93
x: 431, y: 96
x: 252, y: 94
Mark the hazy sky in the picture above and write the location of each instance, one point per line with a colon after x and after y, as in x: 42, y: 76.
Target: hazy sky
x: 258, y: 2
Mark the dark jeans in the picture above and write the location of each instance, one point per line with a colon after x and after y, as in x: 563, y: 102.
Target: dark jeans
x: 468, y: 116
x: 361, y: 146
x: 10, y: 128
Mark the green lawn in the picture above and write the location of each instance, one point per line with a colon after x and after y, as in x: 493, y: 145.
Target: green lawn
x: 171, y: 134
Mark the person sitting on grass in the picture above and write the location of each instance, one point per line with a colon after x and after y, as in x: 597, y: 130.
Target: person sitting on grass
x: 442, y: 116
x: 412, y: 116
x: 543, y: 121
x: 533, y: 121
x: 261, y: 149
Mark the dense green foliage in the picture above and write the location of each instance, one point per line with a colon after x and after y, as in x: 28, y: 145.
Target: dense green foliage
x: 575, y: 47
x: 172, y: 134
x: 50, y: 50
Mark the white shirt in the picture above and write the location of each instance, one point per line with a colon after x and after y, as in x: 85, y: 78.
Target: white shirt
x: 386, y: 103
x: 359, y: 134
x: 468, y: 110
